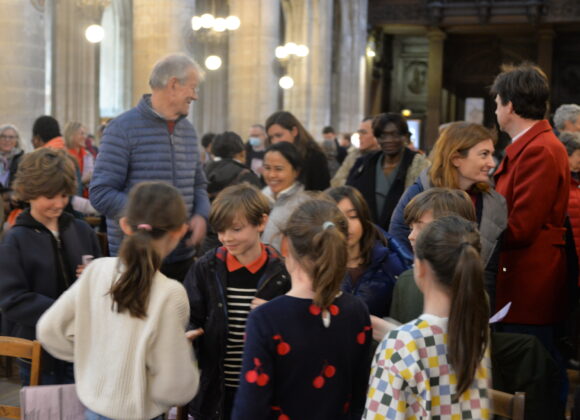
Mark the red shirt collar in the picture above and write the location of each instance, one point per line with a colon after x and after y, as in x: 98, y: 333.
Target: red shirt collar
x: 233, y: 264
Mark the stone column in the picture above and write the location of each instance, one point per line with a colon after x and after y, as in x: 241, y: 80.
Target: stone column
x: 22, y: 65
x: 546, y: 37
x: 349, y: 59
x: 75, y: 66
x: 309, y: 22
x: 160, y: 27
x: 436, y: 39
x: 253, y: 81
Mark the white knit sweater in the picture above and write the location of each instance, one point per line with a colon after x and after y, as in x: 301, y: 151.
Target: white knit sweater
x: 126, y: 368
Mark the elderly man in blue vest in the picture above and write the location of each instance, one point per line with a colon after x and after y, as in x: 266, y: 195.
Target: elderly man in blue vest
x: 155, y: 142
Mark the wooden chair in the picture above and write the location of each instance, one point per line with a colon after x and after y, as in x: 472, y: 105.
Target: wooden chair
x: 104, y: 243
x: 507, y: 405
x: 25, y: 349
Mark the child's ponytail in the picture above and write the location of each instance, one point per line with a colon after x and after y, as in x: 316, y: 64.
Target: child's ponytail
x: 451, y: 245
x: 316, y: 233
x: 468, y: 318
x: 327, y: 274
x: 153, y: 210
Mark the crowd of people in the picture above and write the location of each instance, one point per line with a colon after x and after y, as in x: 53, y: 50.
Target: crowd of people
x: 288, y: 278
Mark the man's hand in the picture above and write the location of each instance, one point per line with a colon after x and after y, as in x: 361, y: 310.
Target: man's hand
x: 198, y: 228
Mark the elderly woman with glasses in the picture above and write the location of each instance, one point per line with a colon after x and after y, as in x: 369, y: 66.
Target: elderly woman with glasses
x: 10, y: 154
x: 384, y: 175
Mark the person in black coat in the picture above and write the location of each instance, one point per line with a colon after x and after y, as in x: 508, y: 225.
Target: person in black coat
x: 383, y: 176
x: 227, y: 168
x: 44, y: 252
x: 283, y: 126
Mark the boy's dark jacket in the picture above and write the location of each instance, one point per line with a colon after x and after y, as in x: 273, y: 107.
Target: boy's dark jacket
x: 34, y: 271
x: 206, y: 287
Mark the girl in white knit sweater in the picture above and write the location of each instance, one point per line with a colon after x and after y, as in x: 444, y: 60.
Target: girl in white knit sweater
x: 123, y: 322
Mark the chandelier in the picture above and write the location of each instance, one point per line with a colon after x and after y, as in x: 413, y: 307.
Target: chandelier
x: 286, y: 54
x: 210, y: 29
x: 209, y: 22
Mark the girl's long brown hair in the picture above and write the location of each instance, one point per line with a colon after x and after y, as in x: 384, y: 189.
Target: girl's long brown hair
x: 303, y: 140
x: 153, y: 210
x: 370, y: 232
x: 451, y: 246
x: 316, y: 233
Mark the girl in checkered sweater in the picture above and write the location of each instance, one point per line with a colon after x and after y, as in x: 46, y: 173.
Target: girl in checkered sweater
x: 436, y: 366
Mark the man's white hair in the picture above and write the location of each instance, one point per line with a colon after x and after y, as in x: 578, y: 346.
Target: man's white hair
x: 173, y: 65
x: 566, y: 112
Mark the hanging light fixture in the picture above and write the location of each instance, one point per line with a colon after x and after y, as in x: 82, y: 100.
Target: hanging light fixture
x: 286, y: 54
x: 94, y: 34
x: 286, y: 82
x: 215, y: 24
x: 213, y: 62
x: 291, y: 49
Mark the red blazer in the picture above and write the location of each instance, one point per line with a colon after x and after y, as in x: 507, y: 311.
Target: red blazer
x: 574, y: 213
x: 534, y: 178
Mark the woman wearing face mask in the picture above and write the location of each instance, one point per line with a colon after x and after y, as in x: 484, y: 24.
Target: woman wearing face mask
x: 282, y: 166
x: 462, y: 159
x: 282, y: 126
x: 255, y: 148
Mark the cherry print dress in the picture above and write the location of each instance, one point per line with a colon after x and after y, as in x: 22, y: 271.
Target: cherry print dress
x: 302, y: 363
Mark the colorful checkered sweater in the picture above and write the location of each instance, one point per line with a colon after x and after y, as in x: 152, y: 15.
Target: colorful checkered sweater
x: 411, y: 377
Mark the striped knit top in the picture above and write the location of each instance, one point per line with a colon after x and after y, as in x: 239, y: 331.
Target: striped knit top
x: 241, y: 283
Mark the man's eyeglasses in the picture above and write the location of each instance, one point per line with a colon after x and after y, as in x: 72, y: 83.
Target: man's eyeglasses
x: 6, y: 137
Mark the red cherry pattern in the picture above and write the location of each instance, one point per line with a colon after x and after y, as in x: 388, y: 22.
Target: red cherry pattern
x: 257, y: 375
x: 318, y: 382
x: 251, y: 376
x: 281, y: 416
x: 328, y: 371
x: 316, y: 310
x: 282, y: 348
x: 263, y: 379
x: 346, y: 406
x: 361, y: 337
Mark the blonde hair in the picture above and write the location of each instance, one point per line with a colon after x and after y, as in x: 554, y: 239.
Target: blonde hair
x: 70, y: 129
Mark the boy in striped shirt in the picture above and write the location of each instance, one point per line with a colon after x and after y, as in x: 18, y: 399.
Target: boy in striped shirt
x: 223, y: 286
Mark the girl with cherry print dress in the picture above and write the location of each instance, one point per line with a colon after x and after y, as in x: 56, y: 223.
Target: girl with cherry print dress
x: 306, y: 353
